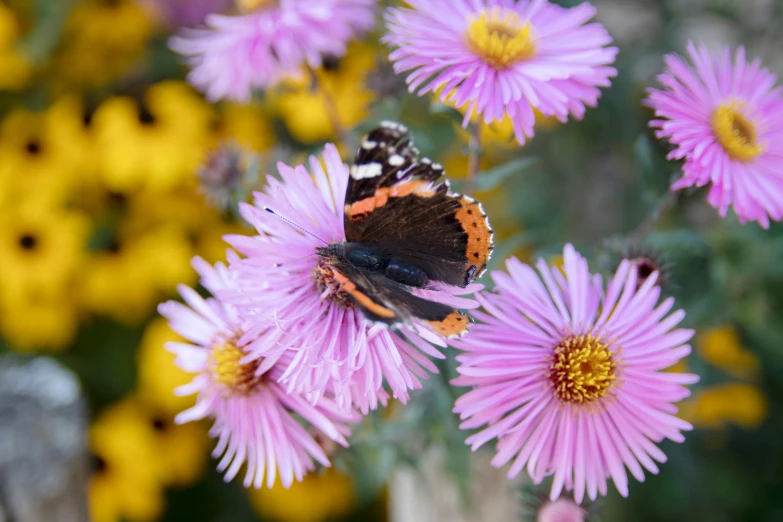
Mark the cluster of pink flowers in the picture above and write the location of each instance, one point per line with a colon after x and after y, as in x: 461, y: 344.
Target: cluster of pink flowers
x: 566, y: 374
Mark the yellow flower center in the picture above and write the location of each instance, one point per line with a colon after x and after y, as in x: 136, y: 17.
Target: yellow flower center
x: 248, y: 6
x: 501, y: 39
x: 228, y: 371
x: 736, y: 133
x: 582, y: 369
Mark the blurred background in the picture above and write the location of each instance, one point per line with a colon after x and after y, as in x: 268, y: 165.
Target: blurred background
x: 113, y: 175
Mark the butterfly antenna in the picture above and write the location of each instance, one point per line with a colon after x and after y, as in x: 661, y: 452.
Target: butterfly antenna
x: 278, y: 265
x: 294, y: 225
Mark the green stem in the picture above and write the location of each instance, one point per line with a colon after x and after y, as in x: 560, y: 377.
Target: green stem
x: 474, y: 157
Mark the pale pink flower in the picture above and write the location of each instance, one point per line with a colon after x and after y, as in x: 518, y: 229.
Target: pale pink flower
x: 500, y: 57
x: 257, y: 422
x: 561, y: 510
x: 568, y: 377
x: 725, y: 118
x: 282, y: 282
x: 237, y: 54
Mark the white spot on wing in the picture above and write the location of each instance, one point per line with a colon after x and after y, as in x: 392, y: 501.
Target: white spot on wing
x: 369, y: 144
x: 370, y: 170
x: 396, y: 160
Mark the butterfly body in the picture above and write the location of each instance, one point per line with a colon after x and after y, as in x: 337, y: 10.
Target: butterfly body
x: 376, y: 259
x: 406, y: 231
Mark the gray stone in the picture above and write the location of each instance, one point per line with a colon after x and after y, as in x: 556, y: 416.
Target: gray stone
x: 43, y: 442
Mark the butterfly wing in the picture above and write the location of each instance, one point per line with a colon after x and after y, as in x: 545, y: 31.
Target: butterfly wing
x: 389, y: 302
x: 395, y: 201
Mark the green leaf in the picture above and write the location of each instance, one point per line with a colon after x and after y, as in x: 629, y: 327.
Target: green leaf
x: 489, y: 179
x: 647, y: 170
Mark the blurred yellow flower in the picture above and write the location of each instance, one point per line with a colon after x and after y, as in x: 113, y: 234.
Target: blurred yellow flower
x: 210, y: 243
x: 182, y: 207
x: 186, y: 209
x: 716, y: 406
x: 306, y: 111
x: 320, y: 496
x: 40, y: 249
x: 35, y: 322
x: 100, y: 41
x: 722, y: 347
x: 71, y: 124
x: 249, y: 126
x: 37, y: 156
x: 180, y: 450
x: 128, y: 282
x: 125, y: 484
x: 15, y: 70
x: 157, y: 145
x: 158, y: 375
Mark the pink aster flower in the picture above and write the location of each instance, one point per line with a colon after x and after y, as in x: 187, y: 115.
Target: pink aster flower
x: 726, y: 120
x: 239, y: 53
x: 500, y: 57
x: 255, y: 419
x: 282, y: 282
x: 568, y: 377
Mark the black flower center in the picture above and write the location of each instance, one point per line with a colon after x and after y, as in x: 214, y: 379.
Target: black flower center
x: 146, y: 117
x: 98, y: 464
x: 158, y: 424
x: 33, y: 147
x: 28, y: 241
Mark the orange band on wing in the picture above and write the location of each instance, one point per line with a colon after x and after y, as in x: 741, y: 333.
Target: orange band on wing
x: 348, y: 287
x: 455, y: 324
x: 475, y: 224
x: 381, y: 197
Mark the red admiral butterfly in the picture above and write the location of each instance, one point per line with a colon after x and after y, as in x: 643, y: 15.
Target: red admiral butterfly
x: 404, y: 230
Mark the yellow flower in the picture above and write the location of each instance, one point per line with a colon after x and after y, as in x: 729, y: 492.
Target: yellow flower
x: 716, y: 406
x: 158, y: 375
x: 320, y: 496
x: 40, y: 249
x: 183, y: 207
x: 305, y: 111
x: 186, y: 209
x: 128, y: 282
x: 125, y: 483
x: 71, y: 125
x: 210, y: 244
x: 180, y: 450
x: 249, y: 126
x: 721, y: 347
x: 156, y: 146
x: 15, y: 69
x: 37, y: 157
x: 100, y: 41
x: 33, y: 322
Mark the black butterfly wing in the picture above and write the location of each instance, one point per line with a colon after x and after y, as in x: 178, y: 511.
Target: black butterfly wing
x: 395, y: 202
x: 386, y: 301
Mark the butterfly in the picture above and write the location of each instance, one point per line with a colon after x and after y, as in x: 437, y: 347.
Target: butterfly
x: 405, y: 230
